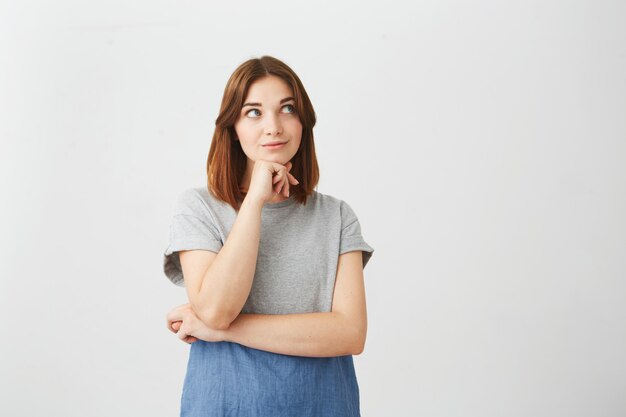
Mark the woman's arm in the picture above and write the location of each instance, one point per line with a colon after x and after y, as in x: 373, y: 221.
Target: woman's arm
x: 219, y: 291
x: 218, y: 285
x: 339, y: 332
x: 306, y: 334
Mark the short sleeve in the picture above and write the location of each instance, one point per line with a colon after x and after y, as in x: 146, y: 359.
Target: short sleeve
x: 188, y: 232
x: 351, y: 237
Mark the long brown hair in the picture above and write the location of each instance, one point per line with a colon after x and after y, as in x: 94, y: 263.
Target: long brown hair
x: 226, y: 164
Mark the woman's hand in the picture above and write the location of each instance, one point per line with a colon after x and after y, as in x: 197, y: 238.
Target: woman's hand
x: 183, y: 321
x: 268, y: 179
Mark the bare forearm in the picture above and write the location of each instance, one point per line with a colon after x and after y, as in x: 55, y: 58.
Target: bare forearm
x: 226, y: 284
x: 307, y: 334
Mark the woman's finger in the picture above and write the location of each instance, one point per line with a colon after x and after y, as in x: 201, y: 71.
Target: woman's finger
x: 286, y: 187
x: 281, y: 182
x: 286, y: 183
x: 276, y: 178
x: 278, y: 187
x: 172, y: 327
x: 171, y: 317
x: 293, y: 179
x: 182, y: 332
x: 187, y: 338
x: 282, y: 178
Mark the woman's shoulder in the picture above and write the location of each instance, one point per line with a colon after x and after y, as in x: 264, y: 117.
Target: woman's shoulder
x: 331, y: 201
x: 338, y: 206
x: 198, y: 201
x: 325, y: 199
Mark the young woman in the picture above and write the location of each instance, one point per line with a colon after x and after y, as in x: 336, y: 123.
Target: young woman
x: 273, y: 269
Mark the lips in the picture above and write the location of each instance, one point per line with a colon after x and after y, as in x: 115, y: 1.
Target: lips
x: 273, y: 143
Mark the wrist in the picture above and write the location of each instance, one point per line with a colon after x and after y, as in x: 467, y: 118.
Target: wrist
x: 232, y: 334
x: 252, y: 202
x: 226, y: 336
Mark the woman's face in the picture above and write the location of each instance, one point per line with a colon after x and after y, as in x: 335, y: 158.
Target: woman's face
x: 269, y: 115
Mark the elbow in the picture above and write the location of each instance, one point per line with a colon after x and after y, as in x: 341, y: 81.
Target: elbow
x: 355, y: 334
x: 359, y: 347
x: 358, y: 342
x: 216, y: 322
x: 213, y: 319
x: 223, y: 319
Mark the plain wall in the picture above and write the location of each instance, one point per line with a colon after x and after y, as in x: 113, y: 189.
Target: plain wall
x: 481, y: 144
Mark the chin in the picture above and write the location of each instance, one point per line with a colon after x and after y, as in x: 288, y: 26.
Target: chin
x: 281, y: 159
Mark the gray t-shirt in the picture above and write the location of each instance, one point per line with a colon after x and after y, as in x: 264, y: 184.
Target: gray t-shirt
x: 298, y: 249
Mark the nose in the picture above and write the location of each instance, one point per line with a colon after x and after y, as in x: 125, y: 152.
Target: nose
x: 272, y: 125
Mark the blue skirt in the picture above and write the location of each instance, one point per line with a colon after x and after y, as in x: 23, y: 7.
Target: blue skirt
x: 227, y: 379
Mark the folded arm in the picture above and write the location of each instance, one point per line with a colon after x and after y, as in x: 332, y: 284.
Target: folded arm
x: 218, y: 284
x: 341, y: 331
x: 306, y: 334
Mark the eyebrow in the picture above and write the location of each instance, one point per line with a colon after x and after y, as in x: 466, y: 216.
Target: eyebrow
x: 260, y: 105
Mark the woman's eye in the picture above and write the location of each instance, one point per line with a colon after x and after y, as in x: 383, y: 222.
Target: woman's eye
x: 248, y: 112
x: 293, y: 110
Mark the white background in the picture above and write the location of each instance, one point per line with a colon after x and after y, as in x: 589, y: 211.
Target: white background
x: 481, y: 144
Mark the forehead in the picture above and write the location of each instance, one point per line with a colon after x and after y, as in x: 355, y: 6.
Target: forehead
x: 268, y: 89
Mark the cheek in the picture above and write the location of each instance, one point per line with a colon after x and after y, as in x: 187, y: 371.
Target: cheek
x: 246, y: 134
x: 296, y: 127
x: 299, y: 134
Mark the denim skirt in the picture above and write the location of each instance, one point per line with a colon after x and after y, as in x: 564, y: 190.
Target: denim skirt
x: 226, y: 379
